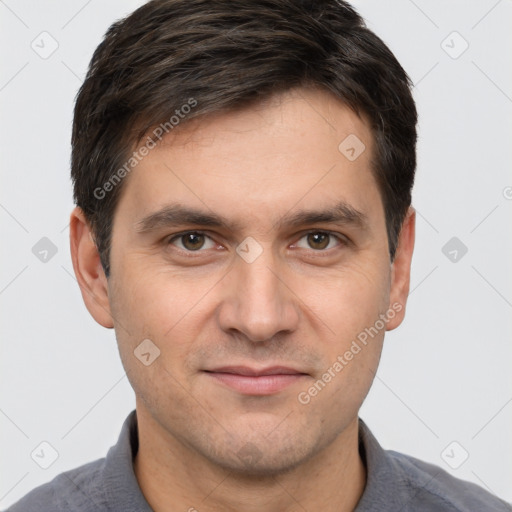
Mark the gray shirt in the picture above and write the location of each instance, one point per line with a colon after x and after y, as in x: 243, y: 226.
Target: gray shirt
x: 395, y: 482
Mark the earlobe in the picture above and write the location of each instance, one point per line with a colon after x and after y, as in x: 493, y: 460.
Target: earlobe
x: 401, y: 270
x: 88, y: 269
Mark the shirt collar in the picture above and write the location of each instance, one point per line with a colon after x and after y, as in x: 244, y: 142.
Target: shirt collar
x: 121, y: 486
x: 382, y: 475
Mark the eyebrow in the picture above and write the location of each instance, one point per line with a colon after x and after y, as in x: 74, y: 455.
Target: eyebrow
x: 176, y: 215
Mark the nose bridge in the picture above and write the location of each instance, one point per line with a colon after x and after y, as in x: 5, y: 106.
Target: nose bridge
x: 258, y: 303
x: 259, y: 283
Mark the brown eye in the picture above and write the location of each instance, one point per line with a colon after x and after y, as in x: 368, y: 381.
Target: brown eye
x: 192, y: 241
x: 318, y: 241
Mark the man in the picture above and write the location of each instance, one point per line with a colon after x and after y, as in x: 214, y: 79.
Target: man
x: 242, y: 172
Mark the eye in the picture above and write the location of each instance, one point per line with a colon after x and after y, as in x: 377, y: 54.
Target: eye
x: 192, y: 241
x: 320, y: 240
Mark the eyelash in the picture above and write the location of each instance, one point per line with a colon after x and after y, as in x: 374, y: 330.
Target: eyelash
x: 343, y: 241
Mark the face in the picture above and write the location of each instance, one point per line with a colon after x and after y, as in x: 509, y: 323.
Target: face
x: 284, y: 269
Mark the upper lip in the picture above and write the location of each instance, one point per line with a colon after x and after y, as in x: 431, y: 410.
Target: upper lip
x: 253, y: 372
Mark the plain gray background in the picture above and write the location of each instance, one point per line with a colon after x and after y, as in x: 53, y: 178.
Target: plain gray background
x: 444, y: 387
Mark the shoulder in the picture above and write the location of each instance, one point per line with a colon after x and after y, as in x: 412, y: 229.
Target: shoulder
x: 79, y: 489
x: 432, y: 488
x: 105, y: 484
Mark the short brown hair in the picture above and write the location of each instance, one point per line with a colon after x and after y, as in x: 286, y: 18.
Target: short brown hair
x: 226, y: 55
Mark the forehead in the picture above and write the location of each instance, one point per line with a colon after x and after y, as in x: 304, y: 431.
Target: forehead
x: 300, y: 148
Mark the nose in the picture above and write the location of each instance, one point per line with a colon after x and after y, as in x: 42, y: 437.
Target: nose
x: 258, y: 302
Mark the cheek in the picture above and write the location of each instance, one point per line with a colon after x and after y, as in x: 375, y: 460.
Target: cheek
x: 158, y: 300
x: 157, y: 310
x: 351, y: 298
x: 165, y: 308
x: 351, y: 303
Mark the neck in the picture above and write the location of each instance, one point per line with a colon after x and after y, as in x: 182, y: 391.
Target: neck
x: 177, y: 477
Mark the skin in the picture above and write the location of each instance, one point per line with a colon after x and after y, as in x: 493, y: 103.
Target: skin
x: 298, y: 304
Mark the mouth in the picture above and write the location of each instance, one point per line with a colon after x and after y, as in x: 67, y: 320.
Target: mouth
x: 256, y: 382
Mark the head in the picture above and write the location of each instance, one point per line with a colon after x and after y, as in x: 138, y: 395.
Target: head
x: 279, y: 137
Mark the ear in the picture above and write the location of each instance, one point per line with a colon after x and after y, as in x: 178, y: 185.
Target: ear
x: 401, y: 270
x: 88, y: 270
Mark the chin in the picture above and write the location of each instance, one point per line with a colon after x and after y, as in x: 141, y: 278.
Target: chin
x: 264, y: 457
x: 265, y: 466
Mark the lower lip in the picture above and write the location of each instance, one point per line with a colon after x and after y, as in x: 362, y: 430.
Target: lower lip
x: 261, y: 385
